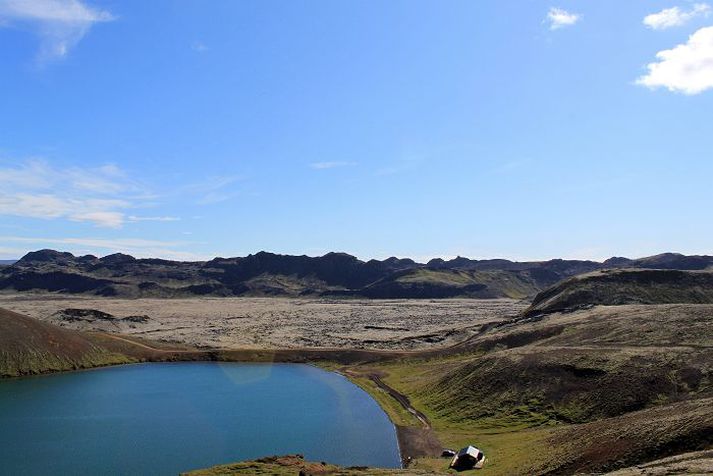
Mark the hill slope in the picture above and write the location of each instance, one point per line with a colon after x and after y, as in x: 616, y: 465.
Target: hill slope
x: 601, y: 387
x: 448, y: 283
x: 582, y: 366
x: 615, y: 287
x: 29, y: 346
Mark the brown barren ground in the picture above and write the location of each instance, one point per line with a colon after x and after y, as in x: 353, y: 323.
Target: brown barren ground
x: 265, y: 323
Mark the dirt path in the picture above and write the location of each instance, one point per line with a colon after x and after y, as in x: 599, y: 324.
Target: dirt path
x: 414, y: 441
x: 143, y: 346
x: 401, y: 398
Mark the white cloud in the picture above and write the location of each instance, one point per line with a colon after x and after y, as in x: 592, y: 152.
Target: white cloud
x: 60, y: 24
x: 11, y: 253
x: 134, y: 218
x: 559, y: 18
x: 97, y: 211
x: 675, y: 16
x: 330, y: 165
x: 686, y: 68
x: 98, y: 195
x: 100, y: 218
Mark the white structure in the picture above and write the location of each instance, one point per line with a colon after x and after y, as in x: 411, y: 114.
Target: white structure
x: 469, y: 457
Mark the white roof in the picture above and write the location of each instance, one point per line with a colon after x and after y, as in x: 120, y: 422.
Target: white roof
x: 469, y: 450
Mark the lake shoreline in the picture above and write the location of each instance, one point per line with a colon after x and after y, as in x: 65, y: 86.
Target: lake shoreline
x: 413, y: 442
x: 270, y: 368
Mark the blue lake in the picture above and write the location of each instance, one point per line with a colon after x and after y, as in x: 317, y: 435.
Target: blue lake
x: 166, y: 418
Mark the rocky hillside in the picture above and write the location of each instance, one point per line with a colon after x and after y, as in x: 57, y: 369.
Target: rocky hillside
x: 615, y: 287
x: 334, y: 274
x: 584, y: 365
x: 600, y: 388
x: 29, y: 346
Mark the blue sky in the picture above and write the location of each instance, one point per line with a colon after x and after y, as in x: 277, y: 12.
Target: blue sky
x: 522, y: 129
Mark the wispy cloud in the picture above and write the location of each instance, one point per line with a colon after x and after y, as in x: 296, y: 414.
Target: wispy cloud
x: 330, y: 165
x: 134, y: 218
x: 512, y: 166
x: 199, y: 47
x: 136, y: 247
x: 686, y: 68
x: 99, y: 195
x: 676, y: 16
x: 558, y: 18
x: 107, y: 219
x: 214, y: 189
x: 59, y: 24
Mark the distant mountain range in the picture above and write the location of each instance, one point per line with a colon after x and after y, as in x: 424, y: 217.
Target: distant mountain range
x: 334, y: 274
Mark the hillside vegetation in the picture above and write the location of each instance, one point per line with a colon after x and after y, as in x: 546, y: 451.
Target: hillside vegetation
x: 29, y: 346
x: 581, y: 366
x: 292, y: 465
x: 590, y: 388
x: 626, y: 286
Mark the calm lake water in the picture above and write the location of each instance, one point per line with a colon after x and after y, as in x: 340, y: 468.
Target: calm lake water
x: 166, y: 418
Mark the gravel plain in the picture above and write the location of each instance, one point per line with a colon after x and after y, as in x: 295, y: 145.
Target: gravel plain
x: 231, y: 323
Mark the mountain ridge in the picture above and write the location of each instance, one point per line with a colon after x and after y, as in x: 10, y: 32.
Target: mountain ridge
x: 333, y: 274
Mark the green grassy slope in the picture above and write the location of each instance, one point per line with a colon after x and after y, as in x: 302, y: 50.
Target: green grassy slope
x: 575, y: 367
x: 596, y: 389
x: 29, y: 346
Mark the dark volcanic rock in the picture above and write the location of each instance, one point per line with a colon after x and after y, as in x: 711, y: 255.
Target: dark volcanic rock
x: 334, y: 274
x: 73, y: 314
x: 91, y: 315
x: 45, y: 256
x: 52, y: 281
x: 117, y: 258
x: 396, y: 290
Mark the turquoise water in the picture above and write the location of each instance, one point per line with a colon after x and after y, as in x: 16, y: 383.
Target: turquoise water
x: 165, y: 418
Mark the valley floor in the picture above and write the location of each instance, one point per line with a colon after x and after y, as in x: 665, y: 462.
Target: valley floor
x: 590, y: 390
x: 260, y: 323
